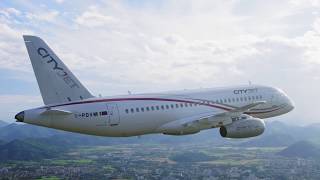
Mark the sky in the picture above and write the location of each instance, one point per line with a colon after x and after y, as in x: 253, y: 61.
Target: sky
x: 148, y: 46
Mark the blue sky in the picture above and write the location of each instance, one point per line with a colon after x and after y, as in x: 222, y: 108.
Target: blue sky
x: 149, y: 46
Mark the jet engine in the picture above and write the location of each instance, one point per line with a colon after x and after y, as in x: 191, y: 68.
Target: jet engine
x: 243, y: 128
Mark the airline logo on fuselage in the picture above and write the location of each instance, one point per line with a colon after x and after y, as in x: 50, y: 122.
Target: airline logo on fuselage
x: 245, y: 91
x: 59, y: 70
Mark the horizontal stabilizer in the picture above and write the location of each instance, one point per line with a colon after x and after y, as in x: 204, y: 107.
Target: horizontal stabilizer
x: 56, y: 112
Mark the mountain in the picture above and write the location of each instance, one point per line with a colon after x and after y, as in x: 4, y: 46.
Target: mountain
x: 23, y: 131
x: 3, y: 123
x: 278, y: 134
x: 90, y: 140
x: 24, y: 142
x: 26, y: 131
x: 274, y: 140
x: 301, y: 149
x: 2, y: 142
x: 24, y: 150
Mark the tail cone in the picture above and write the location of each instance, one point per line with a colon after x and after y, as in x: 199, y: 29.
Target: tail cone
x: 20, y: 116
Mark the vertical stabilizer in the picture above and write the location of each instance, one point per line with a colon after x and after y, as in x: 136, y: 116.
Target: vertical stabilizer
x: 56, y: 82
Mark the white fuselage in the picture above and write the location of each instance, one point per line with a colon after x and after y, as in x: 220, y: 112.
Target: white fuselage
x: 132, y: 115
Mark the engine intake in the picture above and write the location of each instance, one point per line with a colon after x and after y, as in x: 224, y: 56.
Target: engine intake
x: 243, y: 128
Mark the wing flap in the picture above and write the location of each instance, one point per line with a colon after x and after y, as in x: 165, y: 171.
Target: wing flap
x: 248, y: 107
x: 220, y: 119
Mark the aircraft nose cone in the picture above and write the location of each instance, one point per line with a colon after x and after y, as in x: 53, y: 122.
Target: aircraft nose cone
x: 20, y: 116
x: 290, y: 105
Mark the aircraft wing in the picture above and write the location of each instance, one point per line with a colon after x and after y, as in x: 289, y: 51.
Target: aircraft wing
x: 207, y: 120
x: 240, y: 110
x: 225, y: 117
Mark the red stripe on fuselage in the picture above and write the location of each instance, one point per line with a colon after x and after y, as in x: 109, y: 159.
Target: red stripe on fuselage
x: 154, y: 99
x: 138, y: 99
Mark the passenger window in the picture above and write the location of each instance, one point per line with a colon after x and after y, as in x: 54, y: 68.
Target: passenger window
x: 147, y: 108
x: 127, y: 111
x: 237, y: 99
x: 132, y: 110
x: 142, y: 109
x: 186, y: 104
x: 177, y: 105
x: 241, y: 99
x: 167, y: 106
x: 152, y: 108
x: 162, y: 107
x: 157, y: 107
x: 257, y: 97
x: 172, y: 106
x: 233, y: 100
x: 249, y: 98
x: 260, y: 96
x: 229, y: 100
x: 181, y: 105
x: 137, y: 109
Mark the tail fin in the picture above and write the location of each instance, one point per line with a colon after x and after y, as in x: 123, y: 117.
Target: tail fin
x: 56, y: 82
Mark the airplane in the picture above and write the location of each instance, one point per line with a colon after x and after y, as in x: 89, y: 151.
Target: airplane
x: 237, y: 111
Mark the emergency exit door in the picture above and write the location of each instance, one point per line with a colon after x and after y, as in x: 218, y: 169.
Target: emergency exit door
x: 113, y: 114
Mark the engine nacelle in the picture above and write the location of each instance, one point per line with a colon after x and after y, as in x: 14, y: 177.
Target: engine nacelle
x: 243, y: 128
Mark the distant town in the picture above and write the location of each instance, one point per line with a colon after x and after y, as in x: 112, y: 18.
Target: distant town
x: 61, y: 155
x: 154, y: 161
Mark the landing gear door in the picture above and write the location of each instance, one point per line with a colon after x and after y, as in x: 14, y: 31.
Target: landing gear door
x: 113, y: 114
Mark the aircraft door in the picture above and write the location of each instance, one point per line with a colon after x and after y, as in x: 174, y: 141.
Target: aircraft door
x: 113, y: 114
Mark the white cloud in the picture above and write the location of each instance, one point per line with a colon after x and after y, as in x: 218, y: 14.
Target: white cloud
x: 12, y: 50
x: 49, y: 16
x: 8, y: 12
x: 12, y: 104
x: 114, y: 47
x: 93, y: 18
x: 59, y: 1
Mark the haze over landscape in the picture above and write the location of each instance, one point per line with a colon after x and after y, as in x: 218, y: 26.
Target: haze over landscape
x: 142, y: 46
x: 282, y: 152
